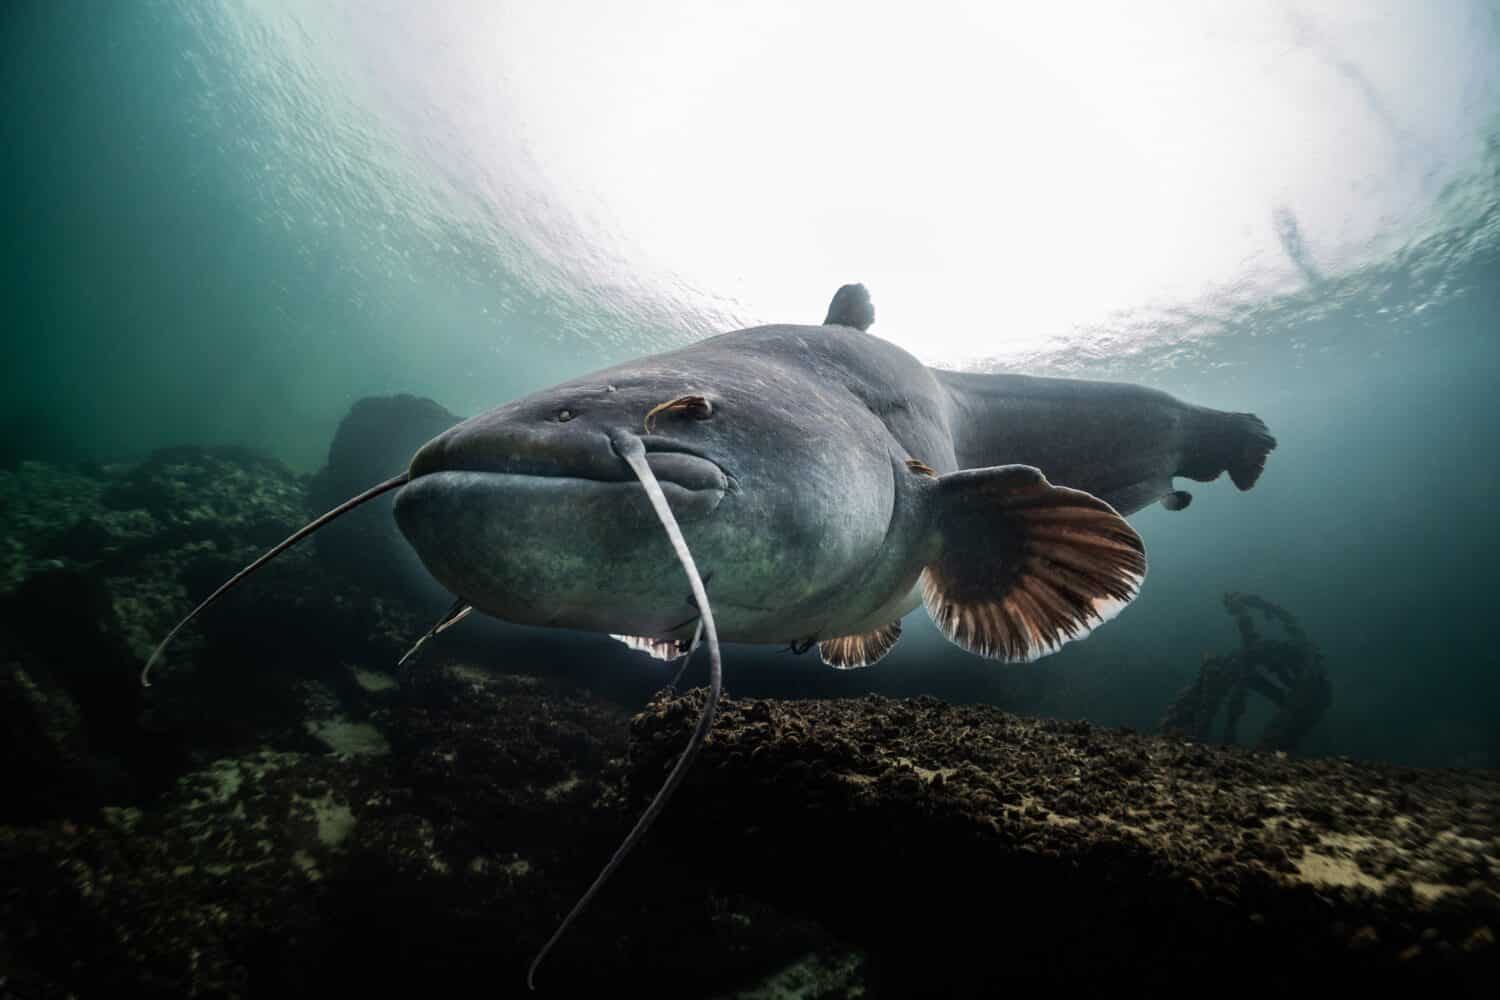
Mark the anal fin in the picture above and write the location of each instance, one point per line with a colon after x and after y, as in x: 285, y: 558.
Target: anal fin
x: 1026, y: 566
x: 849, y: 651
x: 661, y: 649
x: 1176, y: 499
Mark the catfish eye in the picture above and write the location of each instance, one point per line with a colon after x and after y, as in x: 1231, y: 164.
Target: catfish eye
x: 563, y: 416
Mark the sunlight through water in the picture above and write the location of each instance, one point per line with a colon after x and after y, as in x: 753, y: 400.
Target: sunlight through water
x: 1005, y: 182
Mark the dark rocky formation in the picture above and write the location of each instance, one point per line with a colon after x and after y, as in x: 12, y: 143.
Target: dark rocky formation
x: 969, y: 851
x: 434, y: 854
x: 282, y: 813
x: 374, y: 442
x: 98, y: 567
x: 1287, y: 672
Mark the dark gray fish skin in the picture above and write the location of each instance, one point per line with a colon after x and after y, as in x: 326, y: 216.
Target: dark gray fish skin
x: 793, y: 488
x: 851, y: 307
x: 1123, y: 443
x: 786, y: 491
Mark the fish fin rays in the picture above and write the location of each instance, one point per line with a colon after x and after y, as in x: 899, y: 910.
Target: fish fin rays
x: 661, y: 649
x: 1025, y: 566
x: 846, y: 652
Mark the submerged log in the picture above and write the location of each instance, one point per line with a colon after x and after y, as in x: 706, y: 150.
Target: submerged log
x: 968, y: 849
x: 1287, y: 672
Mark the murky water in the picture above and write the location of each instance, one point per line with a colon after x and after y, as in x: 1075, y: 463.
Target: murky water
x: 229, y: 221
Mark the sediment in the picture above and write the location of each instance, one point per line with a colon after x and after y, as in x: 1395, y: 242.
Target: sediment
x: 968, y: 850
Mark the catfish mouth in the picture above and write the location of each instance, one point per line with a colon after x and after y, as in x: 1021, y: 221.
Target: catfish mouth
x: 677, y: 466
x: 546, y: 530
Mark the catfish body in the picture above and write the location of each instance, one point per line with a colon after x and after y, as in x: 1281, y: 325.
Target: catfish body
x: 814, y: 482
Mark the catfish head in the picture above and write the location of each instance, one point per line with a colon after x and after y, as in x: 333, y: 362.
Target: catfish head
x: 531, y: 513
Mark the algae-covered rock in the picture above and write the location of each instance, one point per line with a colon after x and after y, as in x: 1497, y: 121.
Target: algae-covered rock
x: 283, y: 873
x: 40, y: 503
x: 968, y: 850
x: 98, y: 566
x: 226, y: 492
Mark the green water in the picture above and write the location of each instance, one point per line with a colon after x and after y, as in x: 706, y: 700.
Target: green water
x: 226, y: 222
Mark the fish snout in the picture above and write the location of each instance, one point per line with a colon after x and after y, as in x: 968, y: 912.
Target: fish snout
x: 515, y: 448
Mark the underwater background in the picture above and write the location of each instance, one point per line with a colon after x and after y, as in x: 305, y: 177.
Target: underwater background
x: 227, y: 223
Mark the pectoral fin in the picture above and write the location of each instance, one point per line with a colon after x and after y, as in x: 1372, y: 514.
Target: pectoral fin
x: 1026, y: 566
x: 849, y: 651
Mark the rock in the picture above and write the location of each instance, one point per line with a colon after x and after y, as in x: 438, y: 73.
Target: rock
x: 98, y: 567
x: 1081, y: 857
x: 374, y: 442
x: 69, y: 705
x: 40, y: 502
x: 296, y: 874
x: 43, y: 751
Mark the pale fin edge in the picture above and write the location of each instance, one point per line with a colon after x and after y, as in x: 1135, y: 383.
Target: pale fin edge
x: 1074, y: 565
x: 993, y: 629
x: 661, y: 649
x: 846, y: 652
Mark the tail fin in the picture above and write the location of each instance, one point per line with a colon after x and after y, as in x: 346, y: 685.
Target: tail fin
x: 1237, y: 443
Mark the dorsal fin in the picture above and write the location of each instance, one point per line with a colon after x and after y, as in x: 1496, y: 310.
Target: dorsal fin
x: 849, y: 651
x: 1026, y: 566
x: 851, y: 306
